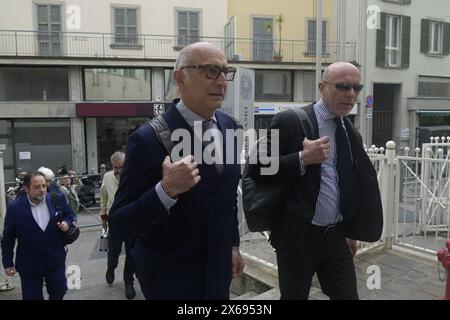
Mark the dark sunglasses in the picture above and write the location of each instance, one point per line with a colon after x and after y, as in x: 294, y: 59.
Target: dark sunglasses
x: 345, y: 86
x: 213, y: 71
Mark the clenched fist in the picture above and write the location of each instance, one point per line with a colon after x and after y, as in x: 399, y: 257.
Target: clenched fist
x: 315, y: 151
x: 180, y: 176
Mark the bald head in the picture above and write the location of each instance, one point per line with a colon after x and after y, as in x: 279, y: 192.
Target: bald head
x: 336, y: 69
x: 340, y: 87
x: 190, y: 54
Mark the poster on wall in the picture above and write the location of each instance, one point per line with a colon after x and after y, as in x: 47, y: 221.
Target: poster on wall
x: 25, y: 155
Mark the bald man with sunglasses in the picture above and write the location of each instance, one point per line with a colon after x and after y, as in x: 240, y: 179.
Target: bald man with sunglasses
x: 333, y: 198
x: 183, y: 212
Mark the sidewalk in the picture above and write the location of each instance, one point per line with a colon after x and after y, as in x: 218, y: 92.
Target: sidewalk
x: 403, y: 276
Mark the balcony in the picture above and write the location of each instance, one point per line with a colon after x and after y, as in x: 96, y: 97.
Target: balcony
x: 14, y: 43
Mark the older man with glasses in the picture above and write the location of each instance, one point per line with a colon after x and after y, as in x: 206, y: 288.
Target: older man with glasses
x: 333, y: 199
x: 183, y: 212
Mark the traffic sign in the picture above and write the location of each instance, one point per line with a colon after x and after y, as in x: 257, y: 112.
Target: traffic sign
x: 369, y: 101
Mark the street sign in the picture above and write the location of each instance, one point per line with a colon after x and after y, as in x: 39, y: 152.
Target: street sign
x: 369, y: 101
x: 369, y: 111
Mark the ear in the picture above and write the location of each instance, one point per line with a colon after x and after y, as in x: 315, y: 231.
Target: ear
x: 26, y: 189
x: 178, y: 75
x: 321, y: 87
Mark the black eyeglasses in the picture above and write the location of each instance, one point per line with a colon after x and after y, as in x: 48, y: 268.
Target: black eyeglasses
x: 345, y: 86
x: 213, y: 71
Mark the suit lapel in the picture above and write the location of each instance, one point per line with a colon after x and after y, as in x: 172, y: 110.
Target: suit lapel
x: 29, y: 214
x: 312, y: 116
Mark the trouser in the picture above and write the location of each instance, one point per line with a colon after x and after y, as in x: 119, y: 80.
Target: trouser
x: 114, y: 249
x: 55, y: 281
x: 323, y: 251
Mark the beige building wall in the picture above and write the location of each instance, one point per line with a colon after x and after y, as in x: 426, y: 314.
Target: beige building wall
x: 154, y: 17
x: 296, y: 13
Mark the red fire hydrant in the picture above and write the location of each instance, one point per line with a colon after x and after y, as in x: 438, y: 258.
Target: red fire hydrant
x: 444, y: 257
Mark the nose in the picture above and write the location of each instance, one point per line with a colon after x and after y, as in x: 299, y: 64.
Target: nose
x: 221, y: 79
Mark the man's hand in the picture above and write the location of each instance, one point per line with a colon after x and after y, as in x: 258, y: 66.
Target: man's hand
x: 180, y: 176
x: 63, y: 226
x: 315, y: 151
x: 353, y: 246
x: 10, y: 271
x: 237, y: 265
x: 104, y: 218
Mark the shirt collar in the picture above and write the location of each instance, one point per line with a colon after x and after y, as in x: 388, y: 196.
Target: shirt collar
x: 323, y: 111
x: 36, y: 205
x: 190, y: 116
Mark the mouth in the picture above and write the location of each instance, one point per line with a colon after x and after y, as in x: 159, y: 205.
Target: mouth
x: 220, y: 95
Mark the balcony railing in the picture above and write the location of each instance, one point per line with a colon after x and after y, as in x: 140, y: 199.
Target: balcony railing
x: 108, y: 45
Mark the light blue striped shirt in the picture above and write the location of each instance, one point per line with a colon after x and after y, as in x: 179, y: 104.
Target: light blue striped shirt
x: 327, y: 206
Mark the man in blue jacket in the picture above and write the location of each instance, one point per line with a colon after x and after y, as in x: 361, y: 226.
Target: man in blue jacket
x: 33, y: 220
x: 183, y: 214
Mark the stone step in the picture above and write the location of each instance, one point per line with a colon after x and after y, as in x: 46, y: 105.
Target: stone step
x: 246, y: 296
x: 272, y: 294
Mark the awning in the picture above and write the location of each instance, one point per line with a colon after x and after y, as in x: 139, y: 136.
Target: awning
x: 435, y: 113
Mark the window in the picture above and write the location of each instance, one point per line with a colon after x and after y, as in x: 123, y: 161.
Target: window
x: 309, y: 86
x: 49, y: 29
x: 434, y: 87
x: 125, y: 26
x: 116, y: 84
x: 435, y: 37
x: 170, y: 86
x: 273, y: 85
x: 393, y: 41
x: 311, y: 47
x: 263, y: 39
x: 34, y: 84
x: 188, y: 27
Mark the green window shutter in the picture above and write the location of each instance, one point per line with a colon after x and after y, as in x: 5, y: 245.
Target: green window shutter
x: 381, y: 42
x: 406, y: 40
x: 446, y: 44
x: 425, y: 36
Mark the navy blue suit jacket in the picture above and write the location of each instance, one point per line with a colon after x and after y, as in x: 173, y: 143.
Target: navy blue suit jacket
x: 184, y: 254
x: 37, y: 250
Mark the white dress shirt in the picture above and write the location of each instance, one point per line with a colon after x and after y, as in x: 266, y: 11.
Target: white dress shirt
x: 40, y: 213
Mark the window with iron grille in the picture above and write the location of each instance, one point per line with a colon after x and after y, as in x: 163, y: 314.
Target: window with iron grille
x: 188, y: 27
x: 311, y: 47
x: 49, y: 29
x: 126, y: 26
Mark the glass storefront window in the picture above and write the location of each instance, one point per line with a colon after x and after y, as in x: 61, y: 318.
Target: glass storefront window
x: 117, y: 84
x: 170, y: 86
x: 42, y: 143
x: 34, y: 84
x: 273, y: 85
x: 112, y: 136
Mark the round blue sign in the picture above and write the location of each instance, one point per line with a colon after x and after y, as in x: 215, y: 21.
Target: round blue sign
x: 369, y: 101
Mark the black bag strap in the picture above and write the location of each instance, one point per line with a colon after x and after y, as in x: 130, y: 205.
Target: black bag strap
x: 162, y: 131
x: 305, y: 122
x: 57, y: 205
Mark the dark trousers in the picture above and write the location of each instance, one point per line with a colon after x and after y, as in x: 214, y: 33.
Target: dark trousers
x: 323, y: 251
x: 55, y: 281
x: 114, y: 249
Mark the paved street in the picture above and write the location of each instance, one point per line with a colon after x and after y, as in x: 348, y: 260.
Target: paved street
x: 403, y: 276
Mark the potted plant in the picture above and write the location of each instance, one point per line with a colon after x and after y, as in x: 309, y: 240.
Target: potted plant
x: 277, y: 54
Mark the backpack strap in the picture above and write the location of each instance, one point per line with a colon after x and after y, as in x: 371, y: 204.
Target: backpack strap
x: 57, y: 205
x: 305, y: 122
x: 162, y: 131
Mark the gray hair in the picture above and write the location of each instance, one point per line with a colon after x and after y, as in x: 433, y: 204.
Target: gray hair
x: 117, y: 156
x: 48, y: 173
x: 187, y: 53
x: 184, y: 58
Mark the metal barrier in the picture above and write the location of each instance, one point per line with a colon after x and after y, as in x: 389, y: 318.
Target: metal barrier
x: 147, y: 46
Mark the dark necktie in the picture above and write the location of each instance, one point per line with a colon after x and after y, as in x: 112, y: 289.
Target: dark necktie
x: 344, y: 168
x: 209, y: 124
